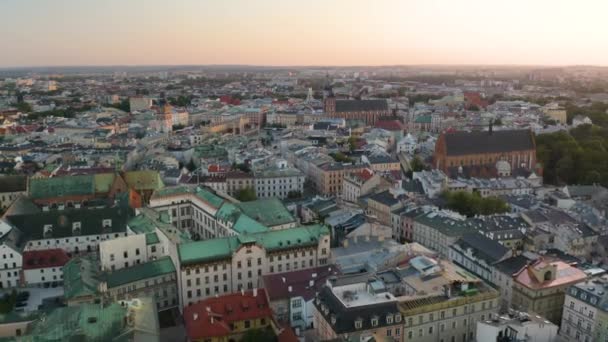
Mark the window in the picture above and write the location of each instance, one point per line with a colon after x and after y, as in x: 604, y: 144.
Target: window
x: 374, y: 321
x: 296, y: 303
x: 358, y: 324
x: 398, y: 318
x: 247, y: 324
x: 136, y: 251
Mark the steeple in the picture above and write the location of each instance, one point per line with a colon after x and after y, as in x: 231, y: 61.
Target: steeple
x: 328, y: 91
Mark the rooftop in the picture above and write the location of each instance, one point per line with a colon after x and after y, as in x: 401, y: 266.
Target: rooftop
x: 212, y: 317
x: 147, y: 270
x: 223, y: 248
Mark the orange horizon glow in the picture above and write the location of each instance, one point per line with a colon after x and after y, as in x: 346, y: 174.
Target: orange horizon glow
x: 303, y: 33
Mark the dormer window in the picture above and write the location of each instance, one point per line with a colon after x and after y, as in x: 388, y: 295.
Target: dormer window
x: 358, y: 323
x: 48, y: 231
x: 333, y: 319
x: 76, y: 228
x: 107, y: 223
x: 389, y: 319
x: 374, y: 321
x: 398, y: 318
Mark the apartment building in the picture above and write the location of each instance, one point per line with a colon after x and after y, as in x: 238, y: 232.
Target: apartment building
x: 279, y: 182
x: 541, y: 286
x: 156, y: 278
x: 585, y: 313
x: 230, y: 264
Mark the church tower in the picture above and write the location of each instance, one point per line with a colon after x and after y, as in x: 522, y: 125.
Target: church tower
x: 329, y: 101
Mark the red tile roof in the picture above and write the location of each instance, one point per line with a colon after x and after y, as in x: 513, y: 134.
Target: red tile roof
x: 212, y: 317
x: 44, y: 258
x: 390, y: 125
x: 287, y: 335
x: 566, y: 274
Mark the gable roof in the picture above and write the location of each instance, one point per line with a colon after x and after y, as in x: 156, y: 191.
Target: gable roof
x: 484, y: 248
x: 36, y: 259
x: 150, y: 269
x: 13, y: 183
x: 217, y: 249
x: 463, y: 143
x: 91, y: 222
x: 361, y: 105
x: 269, y: 212
x: 61, y: 186
x: 213, y: 316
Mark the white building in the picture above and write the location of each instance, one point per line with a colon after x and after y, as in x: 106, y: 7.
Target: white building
x: 407, y: 145
x: 581, y: 120
x: 585, y: 314
x: 10, y: 267
x: 518, y: 326
x: 278, y: 182
x: 44, y: 267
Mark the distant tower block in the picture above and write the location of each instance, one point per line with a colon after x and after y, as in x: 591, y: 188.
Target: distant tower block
x: 309, y: 97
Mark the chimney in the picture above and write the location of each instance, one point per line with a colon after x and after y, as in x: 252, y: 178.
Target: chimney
x: 255, y: 292
x: 283, y: 278
x: 242, y: 292
x: 195, y: 316
x: 311, y: 283
x: 289, y: 288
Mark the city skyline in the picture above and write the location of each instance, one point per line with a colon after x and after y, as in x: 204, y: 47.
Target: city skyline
x: 273, y: 33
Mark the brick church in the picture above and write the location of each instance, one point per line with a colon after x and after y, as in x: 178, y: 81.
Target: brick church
x: 486, y: 154
x: 368, y: 111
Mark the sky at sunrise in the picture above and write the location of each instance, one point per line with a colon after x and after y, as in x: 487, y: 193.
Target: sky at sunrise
x: 293, y: 32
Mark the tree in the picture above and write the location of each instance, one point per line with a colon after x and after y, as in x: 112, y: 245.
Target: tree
x: 123, y: 105
x: 258, y: 335
x: 341, y: 157
x: 191, y: 166
x: 352, y: 143
x: 417, y: 164
x: 245, y: 195
x: 471, y: 204
x: 24, y: 107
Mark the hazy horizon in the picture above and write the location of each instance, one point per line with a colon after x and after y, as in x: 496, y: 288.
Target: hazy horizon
x: 315, y: 33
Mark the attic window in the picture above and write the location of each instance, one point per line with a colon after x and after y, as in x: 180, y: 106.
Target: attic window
x: 358, y: 323
x: 398, y: 317
x: 107, y: 223
x: 374, y: 321
x: 389, y: 319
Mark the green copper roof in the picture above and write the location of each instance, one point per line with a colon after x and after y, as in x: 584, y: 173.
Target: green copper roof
x: 141, y: 224
x: 85, y: 322
x: 423, y: 119
x: 228, y: 212
x: 269, y: 212
x: 61, y: 186
x: 209, y: 197
x: 172, y: 190
x: 152, y: 239
x: 139, y: 272
x: 245, y: 224
x: 273, y: 240
x: 81, y: 277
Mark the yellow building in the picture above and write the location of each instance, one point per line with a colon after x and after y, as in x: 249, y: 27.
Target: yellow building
x: 555, y: 112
